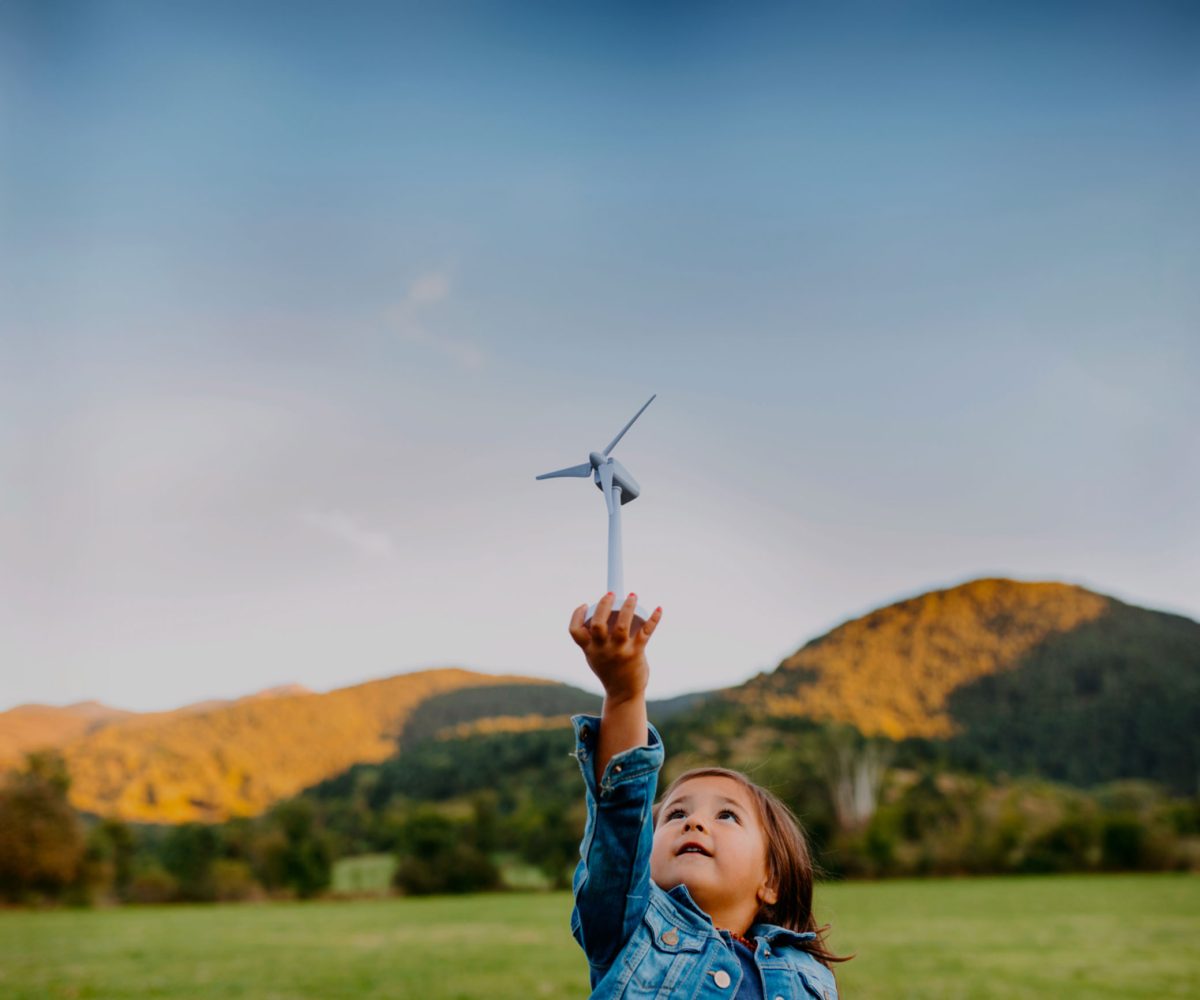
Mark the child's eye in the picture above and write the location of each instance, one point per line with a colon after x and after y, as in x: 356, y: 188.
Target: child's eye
x: 729, y: 812
x: 673, y: 813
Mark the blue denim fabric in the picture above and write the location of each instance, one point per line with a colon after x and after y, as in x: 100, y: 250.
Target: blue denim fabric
x: 640, y: 940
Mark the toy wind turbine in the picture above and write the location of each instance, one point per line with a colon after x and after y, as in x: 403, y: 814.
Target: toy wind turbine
x: 618, y: 487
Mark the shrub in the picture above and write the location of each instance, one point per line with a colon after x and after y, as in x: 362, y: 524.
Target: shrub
x: 456, y: 868
x: 439, y: 854
x: 1069, y: 846
x: 233, y: 880
x: 153, y: 884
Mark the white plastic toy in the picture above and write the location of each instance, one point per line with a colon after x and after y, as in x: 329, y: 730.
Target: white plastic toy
x: 618, y: 487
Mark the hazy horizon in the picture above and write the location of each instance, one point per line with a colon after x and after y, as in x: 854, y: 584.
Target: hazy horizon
x: 584, y: 682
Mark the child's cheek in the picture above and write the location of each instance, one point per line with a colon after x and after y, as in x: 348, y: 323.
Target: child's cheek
x: 658, y: 858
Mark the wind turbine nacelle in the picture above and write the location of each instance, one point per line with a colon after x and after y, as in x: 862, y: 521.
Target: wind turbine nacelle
x: 622, y: 478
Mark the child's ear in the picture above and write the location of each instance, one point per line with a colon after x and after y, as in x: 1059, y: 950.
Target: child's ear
x: 767, y: 895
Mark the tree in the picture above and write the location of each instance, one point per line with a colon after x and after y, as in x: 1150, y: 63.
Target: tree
x: 188, y: 854
x: 855, y: 770
x: 297, y: 853
x: 438, y: 854
x: 109, y: 859
x: 41, y: 839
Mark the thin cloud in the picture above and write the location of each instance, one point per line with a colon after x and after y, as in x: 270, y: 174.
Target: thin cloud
x: 408, y: 319
x: 348, y: 529
x: 431, y: 287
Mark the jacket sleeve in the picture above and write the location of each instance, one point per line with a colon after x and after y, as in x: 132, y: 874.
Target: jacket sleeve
x: 612, y: 879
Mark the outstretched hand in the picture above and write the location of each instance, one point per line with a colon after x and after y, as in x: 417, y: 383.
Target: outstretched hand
x: 614, y: 643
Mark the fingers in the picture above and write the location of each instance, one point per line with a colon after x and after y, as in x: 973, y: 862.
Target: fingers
x: 620, y: 630
x: 578, y: 632
x: 596, y: 631
x: 647, y: 629
x: 599, y: 624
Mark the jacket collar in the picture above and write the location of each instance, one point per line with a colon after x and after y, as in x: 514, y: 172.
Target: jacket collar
x: 701, y: 921
x: 777, y: 935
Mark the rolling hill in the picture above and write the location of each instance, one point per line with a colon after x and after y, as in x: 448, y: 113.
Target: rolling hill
x: 28, y: 728
x: 237, y: 759
x: 1043, y: 678
x: 999, y: 674
x: 38, y: 727
x: 890, y: 673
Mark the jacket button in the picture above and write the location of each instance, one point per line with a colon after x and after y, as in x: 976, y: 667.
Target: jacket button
x: 670, y: 937
x: 616, y: 769
x: 721, y: 978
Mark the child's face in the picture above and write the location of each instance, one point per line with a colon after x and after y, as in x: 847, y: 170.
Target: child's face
x: 727, y: 877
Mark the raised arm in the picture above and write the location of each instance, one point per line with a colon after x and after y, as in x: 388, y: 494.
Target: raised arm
x: 616, y: 652
x: 619, y: 755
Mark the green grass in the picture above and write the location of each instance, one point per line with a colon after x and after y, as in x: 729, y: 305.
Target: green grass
x: 1051, y: 937
x: 1088, y: 936
x: 364, y: 875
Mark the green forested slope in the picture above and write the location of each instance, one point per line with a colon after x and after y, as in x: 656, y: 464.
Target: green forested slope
x: 1042, y: 678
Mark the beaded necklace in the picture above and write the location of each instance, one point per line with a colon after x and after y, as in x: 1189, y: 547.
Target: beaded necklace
x: 738, y: 937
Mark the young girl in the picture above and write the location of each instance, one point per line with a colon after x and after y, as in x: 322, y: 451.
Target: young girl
x: 708, y: 894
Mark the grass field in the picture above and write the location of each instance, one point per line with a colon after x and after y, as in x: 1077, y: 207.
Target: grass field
x: 1062, y: 937
x: 365, y: 875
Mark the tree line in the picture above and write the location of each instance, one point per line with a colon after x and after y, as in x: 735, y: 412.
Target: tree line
x: 453, y: 813
x: 50, y: 852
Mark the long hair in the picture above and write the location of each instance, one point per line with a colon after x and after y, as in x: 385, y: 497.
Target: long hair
x: 789, y: 861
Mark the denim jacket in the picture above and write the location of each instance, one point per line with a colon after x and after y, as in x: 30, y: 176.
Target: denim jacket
x: 642, y: 941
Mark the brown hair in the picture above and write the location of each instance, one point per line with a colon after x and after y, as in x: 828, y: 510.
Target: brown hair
x: 789, y: 861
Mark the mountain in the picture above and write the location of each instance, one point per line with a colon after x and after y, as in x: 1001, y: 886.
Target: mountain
x: 1042, y: 678
x: 44, y: 727
x: 891, y: 672
x: 237, y: 759
x: 992, y: 675
x: 215, y: 759
x: 38, y: 727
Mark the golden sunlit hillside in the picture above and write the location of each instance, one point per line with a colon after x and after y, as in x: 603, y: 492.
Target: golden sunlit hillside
x: 37, y: 727
x: 28, y: 728
x: 891, y: 672
x: 1029, y: 677
x: 238, y: 759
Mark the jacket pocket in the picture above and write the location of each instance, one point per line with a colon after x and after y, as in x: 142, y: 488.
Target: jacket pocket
x: 666, y: 958
x: 819, y: 983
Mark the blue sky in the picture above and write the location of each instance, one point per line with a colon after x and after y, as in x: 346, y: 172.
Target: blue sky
x: 296, y: 300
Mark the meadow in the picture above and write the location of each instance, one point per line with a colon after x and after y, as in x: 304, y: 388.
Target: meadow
x: 1060, y: 936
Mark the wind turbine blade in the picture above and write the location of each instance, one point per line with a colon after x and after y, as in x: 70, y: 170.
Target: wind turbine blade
x: 606, y: 484
x: 614, y: 441
x: 574, y: 470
